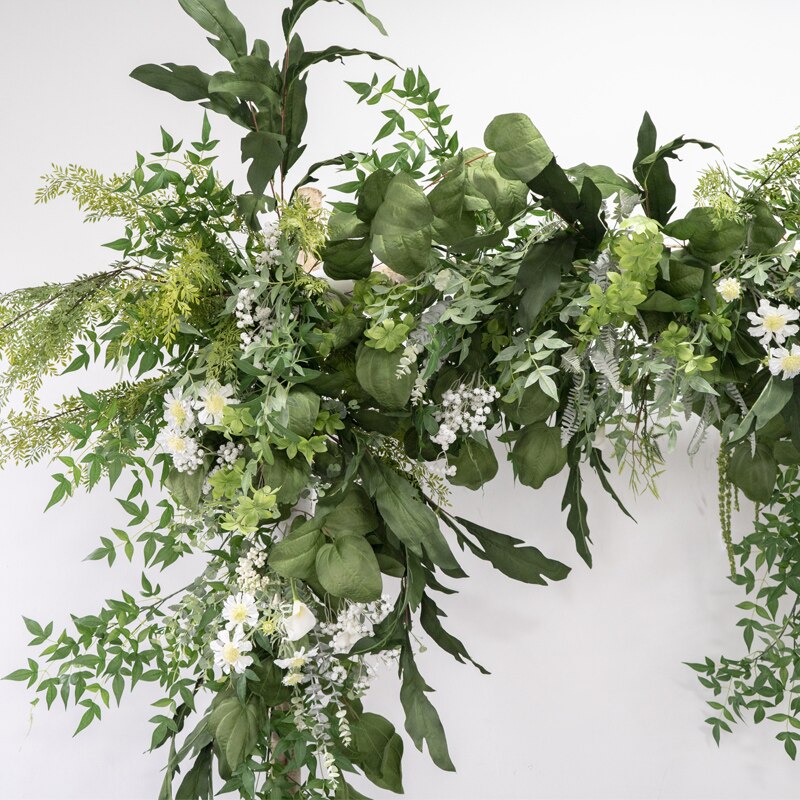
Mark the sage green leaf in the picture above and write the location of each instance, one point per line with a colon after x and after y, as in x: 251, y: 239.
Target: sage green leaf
x: 684, y: 279
x: 349, y: 259
x: 347, y: 568
x: 403, y: 227
x: 409, y: 519
x: 302, y: 408
x: 422, y: 720
x: 292, y: 14
x: 475, y: 464
x: 429, y: 619
x: 604, y: 178
x: 506, y: 198
x: 532, y: 406
x: 378, y: 751
x: 512, y: 556
x: 246, y: 88
x: 234, y: 726
x: 197, y: 783
x: 184, y: 82
x: 710, y: 237
x: 269, y: 686
x: 763, y: 230
x: 577, y: 522
x: 215, y: 17
x: 661, y: 301
x: 333, y: 53
x: 773, y: 398
x: 539, y: 275
x: 288, y: 477
x: 186, y: 488
x: 376, y: 371
x: 265, y: 151
x: 354, y: 515
x: 295, y: 556
x: 754, y: 473
x: 580, y: 209
x: 372, y: 193
x: 520, y: 151
x: 538, y: 454
x: 452, y: 221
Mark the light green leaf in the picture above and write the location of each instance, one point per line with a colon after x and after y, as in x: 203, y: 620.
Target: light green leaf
x: 295, y: 556
x: 215, y: 17
x: 347, y: 568
x: 521, y: 152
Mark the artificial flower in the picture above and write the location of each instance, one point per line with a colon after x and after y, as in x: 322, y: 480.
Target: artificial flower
x: 178, y: 411
x: 294, y: 678
x: 297, y: 660
x: 300, y: 622
x: 230, y: 651
x: 785, y: 363
x: 773, y: 323
x: 211, y: 402
x: 240, y: 610
x: 730, y: 289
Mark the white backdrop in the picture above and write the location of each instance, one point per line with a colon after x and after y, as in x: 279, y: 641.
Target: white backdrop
x: 588, y: 697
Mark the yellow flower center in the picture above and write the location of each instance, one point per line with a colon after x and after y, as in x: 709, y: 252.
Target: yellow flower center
x: 297, y: 662
x: 215, y: 404
x: 774, y: 322
x: 176, y: 444
x: 177, y: 411
x: 230, y: 653
x: 292, y: 679
x: 267, y: 627
x: 791, y: 363
x: 239, y: 614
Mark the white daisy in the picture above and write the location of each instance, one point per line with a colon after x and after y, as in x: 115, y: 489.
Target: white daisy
x: 300, y: 622
x: 239, y: 610
x: 297, y: 660
x: 230, y: 652
x: 773, y: 323
x: 178, y: 411
x: 294, y: 678
x: 730, y: 289
x: 785, y: 362
x: 211, y: 402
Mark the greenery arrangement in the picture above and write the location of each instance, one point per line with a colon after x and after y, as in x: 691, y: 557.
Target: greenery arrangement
x: 302, y: 383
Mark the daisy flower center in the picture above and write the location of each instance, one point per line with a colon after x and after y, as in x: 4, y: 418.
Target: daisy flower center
x: 215, y: 403
x: 230, y: 653
x: 774, y: 322
x: 177, y: 411
x: 239, y: 613
x: 177, y: 444
x: 791, y: 363
x: 297, y: 661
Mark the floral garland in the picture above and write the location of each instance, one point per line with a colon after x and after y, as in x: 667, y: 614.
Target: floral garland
x: 304, y: 382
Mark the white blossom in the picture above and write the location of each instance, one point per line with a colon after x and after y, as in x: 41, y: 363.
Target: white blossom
x: 463, y: 410
x: 211, y: 402
x: 185, y: 451
x: 300, y: 622
x: 773, y: 323
x: 230, y: 652
x: 730, y: 289
x: 785, y: 363
x: 240, y: 610
x: 178, y: 412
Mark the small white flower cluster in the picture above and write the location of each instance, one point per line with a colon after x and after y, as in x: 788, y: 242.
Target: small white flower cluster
x: 249, y: 570
x: 182, y: 413
x: 228, y: 454
x: 464, y: 410
x: 776, y: 324
x: 253, y: 320
x: 408, y: 359
x: 355, y: 621
x: 271, y: 252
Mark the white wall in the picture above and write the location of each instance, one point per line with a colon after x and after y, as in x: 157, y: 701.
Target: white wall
x: 588, y: 696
